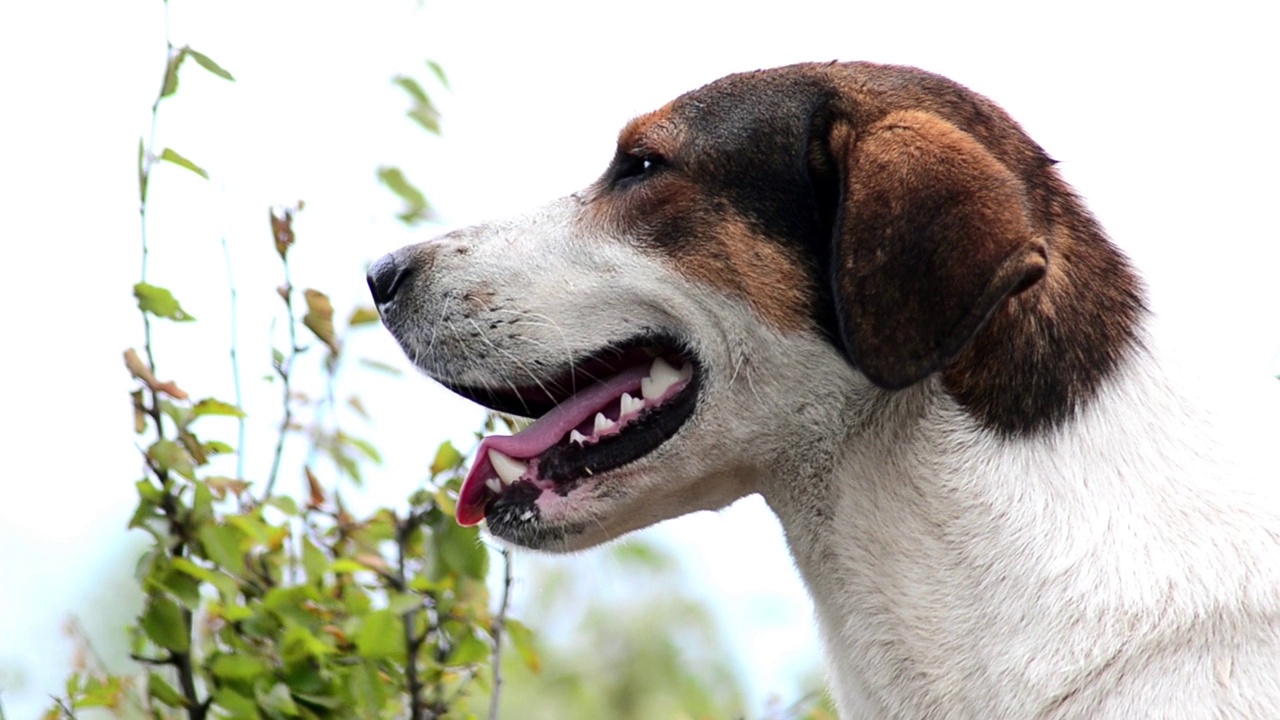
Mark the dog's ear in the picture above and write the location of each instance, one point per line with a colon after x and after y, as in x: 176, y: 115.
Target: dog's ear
x: 931, y: 234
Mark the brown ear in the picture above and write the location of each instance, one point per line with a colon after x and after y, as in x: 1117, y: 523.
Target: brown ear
x: 931, y: 235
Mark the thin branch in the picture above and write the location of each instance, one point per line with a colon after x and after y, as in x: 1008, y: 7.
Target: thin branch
x: 146, y: 164
x: 412, y: 639
x: 66, y: 711
x: 284, y: 369
x: 499, y: 625
x: 235, y: 361
x: 196, y: 709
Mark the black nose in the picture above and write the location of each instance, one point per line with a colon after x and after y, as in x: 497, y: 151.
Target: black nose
x: 386, y: 275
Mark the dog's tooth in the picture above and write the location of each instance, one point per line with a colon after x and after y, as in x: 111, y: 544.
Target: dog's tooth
x: 602, y: 423
x: 508, y: 468
x: 494, y: 485
x: 629, y: 405
x: 577, y: 437
x: 661, y: 377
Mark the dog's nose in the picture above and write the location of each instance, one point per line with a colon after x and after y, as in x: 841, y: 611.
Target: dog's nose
x: 386, y: 275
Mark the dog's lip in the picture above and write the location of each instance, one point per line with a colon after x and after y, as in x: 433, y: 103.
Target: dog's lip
x: 537, y: 400
x: 525, y: 447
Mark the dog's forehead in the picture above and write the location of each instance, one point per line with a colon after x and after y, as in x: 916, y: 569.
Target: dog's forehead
x: 756, y: 110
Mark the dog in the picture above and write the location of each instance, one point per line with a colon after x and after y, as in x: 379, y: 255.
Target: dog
x: 866, y: 294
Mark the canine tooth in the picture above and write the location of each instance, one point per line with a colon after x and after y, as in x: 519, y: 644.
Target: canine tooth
x: 602, y: 423
x: 494, y: 484
x: 577, y: 437
x: 508, y: 468
x: 661, y: 377
x: 629, y: 405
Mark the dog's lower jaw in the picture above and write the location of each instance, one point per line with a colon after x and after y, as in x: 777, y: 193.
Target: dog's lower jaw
x: 614, y: 504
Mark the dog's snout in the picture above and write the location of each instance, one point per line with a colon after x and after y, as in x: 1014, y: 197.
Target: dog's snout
x: 386, y: 276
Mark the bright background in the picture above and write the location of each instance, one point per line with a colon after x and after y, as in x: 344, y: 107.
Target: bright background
x: 1163, y: 117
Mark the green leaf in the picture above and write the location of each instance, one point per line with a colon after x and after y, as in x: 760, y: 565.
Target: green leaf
x: 347, y: 565
x: 73, y: 685
x: 363, y: 315
x: 468, y: 650
x: 159, y: 302
x: 416, y: 208
x: 401, y: 603
x: 225, y: 584
x: 208, y: 64
x: 365, y: 447
x: 381, y: 636
x: 461, y: 550
x: 438, y: 71
x: 277, y: 700
x: 172, y: 156
x: 313, y: 560
x: 142, y: 171
x: 522, y: 639
x: 159, y: 689
x: 319, y: 318
x: 202, y: 503
x: 216, y: 447
x: 284, y: 504
x: 99, y: 692
x: 447, y: 458
x: 182, y: 586
x: 222, y: 545
x: 426, y: 116
x: 170, y: 85
x: 149, y: 492
x: 412, y: 87
x: 298, y: 643
x: 238, y: 667
x: 171, y: 456
x: 163, y: 623
x: 212, y: 406
x: 232, y: 612
x: 239, y: 706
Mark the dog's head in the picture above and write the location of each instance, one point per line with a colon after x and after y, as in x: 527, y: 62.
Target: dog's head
x: 761, y: 253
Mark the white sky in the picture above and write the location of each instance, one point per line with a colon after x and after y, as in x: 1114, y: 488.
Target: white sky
x: 1163, y: 118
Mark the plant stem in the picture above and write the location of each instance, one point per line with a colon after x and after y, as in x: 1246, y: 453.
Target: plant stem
x: 284, y: 370
x: 235, y: 360
x: 499, y: 625
x: 413, y: 640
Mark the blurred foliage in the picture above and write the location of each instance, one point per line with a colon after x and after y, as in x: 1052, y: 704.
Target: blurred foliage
x: 260, y: 604
x: 655, y: 654
x: 641, y: 648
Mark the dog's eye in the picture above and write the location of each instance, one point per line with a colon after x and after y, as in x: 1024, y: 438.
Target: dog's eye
x: 632, y: 167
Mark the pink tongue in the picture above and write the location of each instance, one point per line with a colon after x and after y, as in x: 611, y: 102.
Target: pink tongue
x: 540, y: 436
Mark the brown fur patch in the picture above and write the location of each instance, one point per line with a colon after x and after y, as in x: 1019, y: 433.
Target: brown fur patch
x: 933, y: 234
x: 652, y: 133
x: 958, y: 211
x: 737, y: 261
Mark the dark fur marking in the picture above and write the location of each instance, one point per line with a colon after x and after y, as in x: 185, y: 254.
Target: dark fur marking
x: 759, y: 147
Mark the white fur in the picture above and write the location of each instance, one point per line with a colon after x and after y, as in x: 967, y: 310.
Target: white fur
x: 1123, y: 565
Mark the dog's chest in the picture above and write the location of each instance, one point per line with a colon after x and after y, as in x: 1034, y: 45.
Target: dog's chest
x: 959, y: 574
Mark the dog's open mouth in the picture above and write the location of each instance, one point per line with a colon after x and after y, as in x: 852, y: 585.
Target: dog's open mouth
x: 627, y: 403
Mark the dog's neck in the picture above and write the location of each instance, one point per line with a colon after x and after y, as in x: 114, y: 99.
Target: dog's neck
x: 922, y: 520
